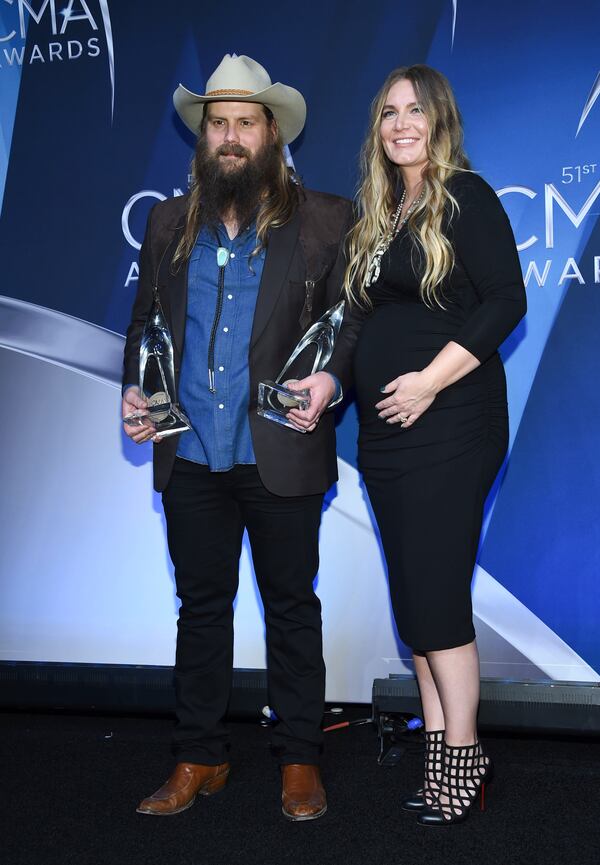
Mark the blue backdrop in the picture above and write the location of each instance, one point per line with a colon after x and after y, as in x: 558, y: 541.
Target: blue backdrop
x: 89, y: 141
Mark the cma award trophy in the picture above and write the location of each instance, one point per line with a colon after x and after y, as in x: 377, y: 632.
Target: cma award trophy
x: 157, y: 378
x: 274, y: 398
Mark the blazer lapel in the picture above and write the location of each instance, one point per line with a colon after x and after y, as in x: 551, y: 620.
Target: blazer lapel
x: 280, y: 249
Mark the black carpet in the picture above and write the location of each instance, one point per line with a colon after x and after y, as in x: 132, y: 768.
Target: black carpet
x: 70, y: 785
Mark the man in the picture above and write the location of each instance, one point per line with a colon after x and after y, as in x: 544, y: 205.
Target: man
x: 235, y: 318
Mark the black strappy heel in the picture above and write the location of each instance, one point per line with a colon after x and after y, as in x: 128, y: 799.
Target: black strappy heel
x: 467, y: 770
x: 434, y: 768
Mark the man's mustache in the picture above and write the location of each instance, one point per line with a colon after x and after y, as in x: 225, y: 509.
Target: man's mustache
x: 232, y: 150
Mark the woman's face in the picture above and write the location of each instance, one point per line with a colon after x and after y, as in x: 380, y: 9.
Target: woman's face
x: 403, y: 127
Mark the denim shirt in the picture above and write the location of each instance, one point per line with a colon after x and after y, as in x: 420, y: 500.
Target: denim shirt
x: 220, y: 435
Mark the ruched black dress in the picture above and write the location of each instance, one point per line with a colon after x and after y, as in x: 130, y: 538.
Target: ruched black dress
x: 428, y: 483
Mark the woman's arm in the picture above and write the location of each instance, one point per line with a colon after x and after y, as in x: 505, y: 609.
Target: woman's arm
x: 485, y: 245
x: 486, y: 248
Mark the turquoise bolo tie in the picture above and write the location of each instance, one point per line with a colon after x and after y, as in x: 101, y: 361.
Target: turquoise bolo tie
x: 222, y: 260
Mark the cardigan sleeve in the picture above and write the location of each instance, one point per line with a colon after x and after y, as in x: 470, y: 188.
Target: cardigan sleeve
x: 485, y: 246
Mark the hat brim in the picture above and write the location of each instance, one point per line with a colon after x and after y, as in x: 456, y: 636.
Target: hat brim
x: 286, y: 103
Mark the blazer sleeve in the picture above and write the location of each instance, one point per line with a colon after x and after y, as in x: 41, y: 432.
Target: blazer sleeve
x: 485, y: 246
x: 340, y: 363
x: 141, y: 308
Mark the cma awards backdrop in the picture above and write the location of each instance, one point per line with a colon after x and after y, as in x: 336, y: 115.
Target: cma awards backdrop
x: 89, y: 142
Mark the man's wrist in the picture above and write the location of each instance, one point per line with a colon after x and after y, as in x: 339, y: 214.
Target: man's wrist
x: 338, y: 393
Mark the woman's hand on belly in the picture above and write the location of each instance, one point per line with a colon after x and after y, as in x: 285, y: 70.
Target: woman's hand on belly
x: 407, y: 397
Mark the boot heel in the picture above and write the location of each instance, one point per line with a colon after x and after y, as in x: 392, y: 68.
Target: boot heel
x: 489, y: 777
x: 214, y: 785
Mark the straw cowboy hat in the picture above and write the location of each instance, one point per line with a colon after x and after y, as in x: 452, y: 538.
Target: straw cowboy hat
x: 241, y: 79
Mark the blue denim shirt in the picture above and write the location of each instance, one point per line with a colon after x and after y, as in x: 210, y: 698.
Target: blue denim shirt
x: 220, y: 435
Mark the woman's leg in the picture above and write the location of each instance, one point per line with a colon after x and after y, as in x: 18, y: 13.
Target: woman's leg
x: 455, y: 675
x: 433, y: 716
x: 433, y: 713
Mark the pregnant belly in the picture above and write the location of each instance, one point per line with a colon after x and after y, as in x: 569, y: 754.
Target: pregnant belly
x: 401, y: 338
x: 398, y: 338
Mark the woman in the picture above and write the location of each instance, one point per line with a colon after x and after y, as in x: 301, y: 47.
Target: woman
x: 434, y: 259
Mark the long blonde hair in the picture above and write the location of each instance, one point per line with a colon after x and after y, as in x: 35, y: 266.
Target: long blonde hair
x: 378, y: 196
x: 277, y: 206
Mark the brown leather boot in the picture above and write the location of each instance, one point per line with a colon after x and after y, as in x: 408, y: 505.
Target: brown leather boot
x: 187, y: 781
x: 303, y: 796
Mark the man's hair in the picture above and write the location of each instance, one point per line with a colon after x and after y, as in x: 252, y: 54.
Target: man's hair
x: 277, y: 204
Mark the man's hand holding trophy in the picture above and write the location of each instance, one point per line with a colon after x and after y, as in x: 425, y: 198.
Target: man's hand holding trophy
x: 302, y: 391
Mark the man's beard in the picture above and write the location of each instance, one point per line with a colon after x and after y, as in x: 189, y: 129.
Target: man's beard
x: 234, y: 191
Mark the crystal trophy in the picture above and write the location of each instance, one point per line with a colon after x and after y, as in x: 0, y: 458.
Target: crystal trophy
x: 274, y: 398
x: 157, y: 378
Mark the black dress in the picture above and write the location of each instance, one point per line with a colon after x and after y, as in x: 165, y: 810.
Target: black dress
x: 428, y: 483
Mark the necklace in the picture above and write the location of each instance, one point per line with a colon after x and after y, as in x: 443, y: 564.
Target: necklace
x: 374, y: 268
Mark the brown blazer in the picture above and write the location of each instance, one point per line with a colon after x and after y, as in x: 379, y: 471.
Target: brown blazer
x: 301, y: 279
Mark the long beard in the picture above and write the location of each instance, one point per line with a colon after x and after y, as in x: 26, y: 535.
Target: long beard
x: 234, y: 191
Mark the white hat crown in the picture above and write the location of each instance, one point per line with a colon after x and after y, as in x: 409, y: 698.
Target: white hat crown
x: 237, y: 76
x: 242, y: 79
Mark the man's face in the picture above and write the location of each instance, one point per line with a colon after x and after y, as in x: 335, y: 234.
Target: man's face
x: 235, y: 132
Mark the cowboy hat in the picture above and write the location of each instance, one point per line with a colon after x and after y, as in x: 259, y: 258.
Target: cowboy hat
x: 241, y: 79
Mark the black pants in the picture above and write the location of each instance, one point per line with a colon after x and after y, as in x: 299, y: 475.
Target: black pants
x: 206, y: 514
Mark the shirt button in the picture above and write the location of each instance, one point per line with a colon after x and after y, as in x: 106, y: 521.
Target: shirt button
x: 229, y: 297
x: 226, y: 330
x: 232, y: 255
x: 221, y: 368
x: 221, y: 405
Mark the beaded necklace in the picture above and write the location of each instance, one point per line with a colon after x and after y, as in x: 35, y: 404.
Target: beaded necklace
x: 374, y: 268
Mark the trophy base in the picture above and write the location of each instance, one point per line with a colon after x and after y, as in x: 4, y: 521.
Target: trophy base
x: 275, y: 400
x: 166, y: 418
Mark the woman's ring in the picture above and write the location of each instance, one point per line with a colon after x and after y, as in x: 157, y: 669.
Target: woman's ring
x: 403, y: 418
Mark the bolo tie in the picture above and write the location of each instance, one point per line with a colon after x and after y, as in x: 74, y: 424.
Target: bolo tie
x: 222, y: 261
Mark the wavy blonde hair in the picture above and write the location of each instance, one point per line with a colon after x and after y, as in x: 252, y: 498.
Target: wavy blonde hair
x: 277, y: 205
x: 381, y: 180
